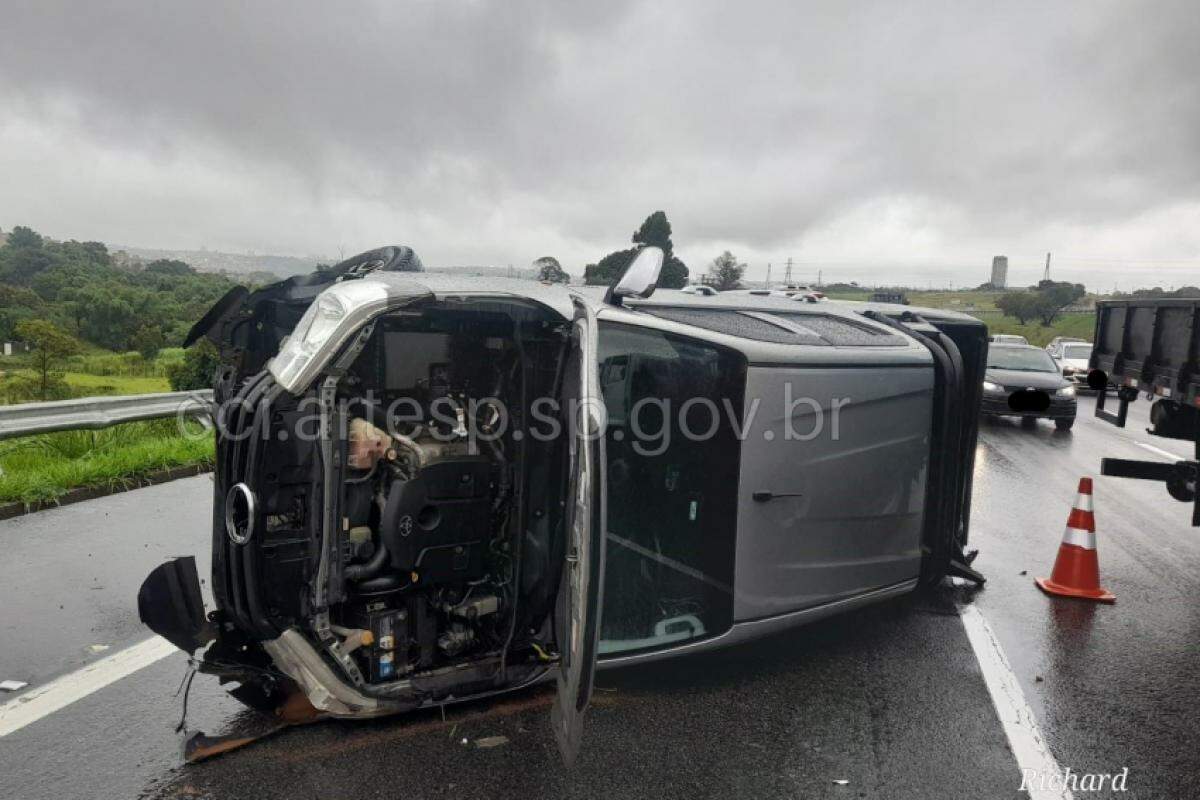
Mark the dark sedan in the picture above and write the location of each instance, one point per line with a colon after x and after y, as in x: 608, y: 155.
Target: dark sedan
x: 1023, y: 381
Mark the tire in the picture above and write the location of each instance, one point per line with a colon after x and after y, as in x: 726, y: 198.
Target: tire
x: 1064, y: 424
x: 1182, y: 491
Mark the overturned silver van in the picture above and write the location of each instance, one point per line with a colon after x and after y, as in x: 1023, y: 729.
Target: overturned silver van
x: 432, y: 487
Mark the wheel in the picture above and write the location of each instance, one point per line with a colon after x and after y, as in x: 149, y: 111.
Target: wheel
x: 1182, y: 490
x: 1064, y: 424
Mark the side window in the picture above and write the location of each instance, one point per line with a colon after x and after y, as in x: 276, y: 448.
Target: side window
x: 674, y: 405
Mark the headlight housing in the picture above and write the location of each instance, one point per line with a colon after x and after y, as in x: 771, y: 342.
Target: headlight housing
x: 989, y: 386
x: 1066, y: 391
x: 325, y: 326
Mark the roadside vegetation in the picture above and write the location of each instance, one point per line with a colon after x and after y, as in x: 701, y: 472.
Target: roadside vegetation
x: 43, y: 468
x: 87, y: 323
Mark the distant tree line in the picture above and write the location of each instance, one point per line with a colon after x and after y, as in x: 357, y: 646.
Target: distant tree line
x: 1158, y: 291
x: 79, y: 289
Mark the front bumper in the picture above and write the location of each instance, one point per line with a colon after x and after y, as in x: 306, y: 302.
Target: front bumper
x: 996, y: 404
x: 1078, y: 378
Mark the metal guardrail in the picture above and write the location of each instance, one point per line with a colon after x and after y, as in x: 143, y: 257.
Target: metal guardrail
x: 91, y: 413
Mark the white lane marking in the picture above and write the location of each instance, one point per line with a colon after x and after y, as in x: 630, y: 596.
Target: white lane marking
x: 1159, y: 451
x: 1020, y: 726
x: 61, y: 692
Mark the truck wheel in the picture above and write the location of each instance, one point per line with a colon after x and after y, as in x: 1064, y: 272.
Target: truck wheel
x: 1064, y: 424
x: 1182, y: 491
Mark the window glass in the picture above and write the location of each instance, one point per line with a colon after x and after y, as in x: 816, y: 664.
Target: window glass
x: 1026, y: 359
x: 673, y: 459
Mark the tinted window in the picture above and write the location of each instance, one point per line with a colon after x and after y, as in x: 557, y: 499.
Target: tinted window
x: 673, y: 461
x: 1025, y: 359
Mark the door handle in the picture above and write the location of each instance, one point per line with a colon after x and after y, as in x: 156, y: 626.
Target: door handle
x: 762, y: 496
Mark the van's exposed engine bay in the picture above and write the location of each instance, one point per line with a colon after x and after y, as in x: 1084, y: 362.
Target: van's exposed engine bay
x: 413, y: 565
x: 387, y: 533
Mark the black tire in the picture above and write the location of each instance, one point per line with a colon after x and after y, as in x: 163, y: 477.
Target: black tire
x: 1064, y: 424
x: 1182, y: 491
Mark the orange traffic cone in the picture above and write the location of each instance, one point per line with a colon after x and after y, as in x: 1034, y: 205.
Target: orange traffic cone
x: 1077, y: 569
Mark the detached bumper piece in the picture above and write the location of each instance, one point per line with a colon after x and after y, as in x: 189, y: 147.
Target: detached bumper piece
x: 169, y: 603
x: 295, y: 710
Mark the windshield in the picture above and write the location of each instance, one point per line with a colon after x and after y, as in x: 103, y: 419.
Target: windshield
x: 1021, y: 358
x: 1080, y: 352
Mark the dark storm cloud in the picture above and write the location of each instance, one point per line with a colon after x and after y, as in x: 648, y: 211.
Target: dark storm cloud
x: 484, y: 128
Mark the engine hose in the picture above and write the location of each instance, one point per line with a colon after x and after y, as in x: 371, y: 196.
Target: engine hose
x: 369, y: 569
x: 389, y: 524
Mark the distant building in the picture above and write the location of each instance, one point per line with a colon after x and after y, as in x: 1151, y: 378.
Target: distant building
x: 14, y: 348
x: 999, y: 272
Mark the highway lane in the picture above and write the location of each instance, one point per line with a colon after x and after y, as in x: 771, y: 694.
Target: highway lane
x: 890, y: 699
x: 69, y: 576
x: 1118, y: 684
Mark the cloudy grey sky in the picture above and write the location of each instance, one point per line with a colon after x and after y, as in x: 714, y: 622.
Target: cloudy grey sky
x: 903, y: 142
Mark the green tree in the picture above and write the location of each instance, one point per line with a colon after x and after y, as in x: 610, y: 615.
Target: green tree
x: 50, y: 346
x: 1022, y: 305
x: 654, y: 232
x: 20, y: 236
x: 148, y: 341
x: 169, y: 266
x: 16, y: 304
x: 1054, y: 297
x: 198, y: 368
x: 726, y: 272
x: 79, y: 287
x: 110, y: 321
x: 606, y: 270
x: 550, y: 271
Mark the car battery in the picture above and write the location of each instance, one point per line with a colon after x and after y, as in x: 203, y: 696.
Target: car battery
x: 387, y: 655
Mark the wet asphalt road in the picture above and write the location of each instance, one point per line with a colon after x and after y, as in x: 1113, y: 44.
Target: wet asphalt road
x: 890, y: 699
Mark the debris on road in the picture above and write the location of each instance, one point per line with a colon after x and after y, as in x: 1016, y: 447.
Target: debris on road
x: 97, y: 648
x: 12, y: 686
x: 490, y: 741
x: 841, y: 781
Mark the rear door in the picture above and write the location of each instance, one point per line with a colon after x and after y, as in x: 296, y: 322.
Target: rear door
x: 578, y: 617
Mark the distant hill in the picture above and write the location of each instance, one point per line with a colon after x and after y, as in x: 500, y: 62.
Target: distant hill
x: 231, y: 263
x: 258, y: 268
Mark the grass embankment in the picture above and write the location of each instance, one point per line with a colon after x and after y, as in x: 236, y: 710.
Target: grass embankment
x: 41, y: 468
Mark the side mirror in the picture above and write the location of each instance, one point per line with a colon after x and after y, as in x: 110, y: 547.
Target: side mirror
x: 640, y: 277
